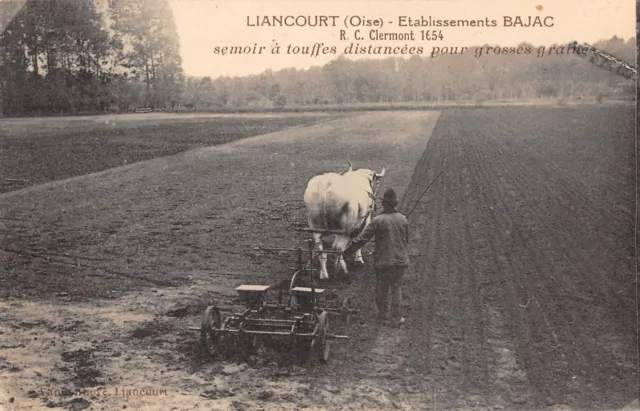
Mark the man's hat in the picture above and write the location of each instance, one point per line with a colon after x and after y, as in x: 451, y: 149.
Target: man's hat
x: 389, y: 197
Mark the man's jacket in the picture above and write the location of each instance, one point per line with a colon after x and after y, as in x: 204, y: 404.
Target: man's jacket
x: 391, y: 231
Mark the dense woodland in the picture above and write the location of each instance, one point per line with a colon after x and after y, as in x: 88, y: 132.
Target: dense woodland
x: 62, y: 57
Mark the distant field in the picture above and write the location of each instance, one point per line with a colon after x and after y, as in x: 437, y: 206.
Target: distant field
x: 38, y: 150
x: 436, y: 105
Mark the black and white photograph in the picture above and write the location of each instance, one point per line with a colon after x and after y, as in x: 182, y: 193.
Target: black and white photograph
x: 318, y: 205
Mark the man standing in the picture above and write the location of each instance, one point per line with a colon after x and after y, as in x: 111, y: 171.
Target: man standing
x: 391, y: 231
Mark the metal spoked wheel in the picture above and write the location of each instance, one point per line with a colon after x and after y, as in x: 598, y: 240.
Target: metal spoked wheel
x: 320, y: 347
x: 294, y: 280
x: 210, y: 331
x: 325, y: 347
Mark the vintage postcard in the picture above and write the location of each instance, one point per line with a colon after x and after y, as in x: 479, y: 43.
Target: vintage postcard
x: 318, y: 205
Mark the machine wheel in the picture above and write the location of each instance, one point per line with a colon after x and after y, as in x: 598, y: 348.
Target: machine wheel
x: 210, y: 331
x: 320, y: 345
x: 325, y: 346
x: 294, y: 280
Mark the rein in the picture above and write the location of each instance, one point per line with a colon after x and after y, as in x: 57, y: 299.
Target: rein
x: 372, y: 207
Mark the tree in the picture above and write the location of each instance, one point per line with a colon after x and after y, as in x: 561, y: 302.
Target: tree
x: 196, y: 88
x: 56, y: 47
x: 147, y: 29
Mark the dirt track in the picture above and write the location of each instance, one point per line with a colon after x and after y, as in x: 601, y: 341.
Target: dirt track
x: 521, y: 294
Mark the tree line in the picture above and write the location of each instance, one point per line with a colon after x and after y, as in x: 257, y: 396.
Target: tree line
x: 62, y: 57
x: 445, y: 78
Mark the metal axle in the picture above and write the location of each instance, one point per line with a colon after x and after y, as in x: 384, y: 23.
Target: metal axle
x: 293, y: 249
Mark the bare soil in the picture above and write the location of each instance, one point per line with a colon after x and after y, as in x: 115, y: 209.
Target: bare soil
x: 38, y: 150
x: 520, y: 296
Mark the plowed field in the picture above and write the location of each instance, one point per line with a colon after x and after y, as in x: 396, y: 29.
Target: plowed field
x: 521, y: 293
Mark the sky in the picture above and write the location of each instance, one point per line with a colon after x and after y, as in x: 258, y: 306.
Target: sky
x: 205, y: 24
